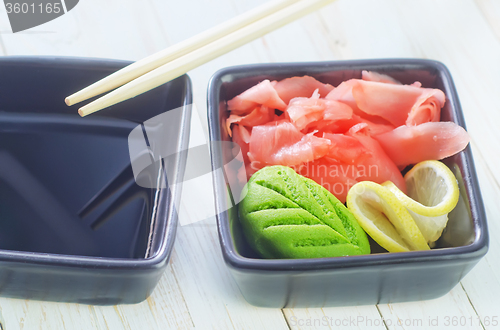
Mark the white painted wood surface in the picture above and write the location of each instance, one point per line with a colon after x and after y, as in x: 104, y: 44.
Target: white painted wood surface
x: 197, y: 290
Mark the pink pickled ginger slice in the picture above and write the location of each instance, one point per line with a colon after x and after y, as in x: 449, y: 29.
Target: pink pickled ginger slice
x: 343, y: 93
x: 260, y: 115
x: 429, y: 141
x: 241, y: 136
x: 427, y: 108
x: 303, y: 111
x: 379, y: 167
x: 261, y: 94
x: 352, y: 158
x: 397, y: 104
x: 394, y: 103
x: 346, y: 149
x: 281, y: 143
x: 379, y: 77
x: 290, y: 88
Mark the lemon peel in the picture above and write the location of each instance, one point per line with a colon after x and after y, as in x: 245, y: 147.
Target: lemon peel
x: 432, y: 189
x: 432, y: 194
x: 400, y: 222
x: 384, y: 218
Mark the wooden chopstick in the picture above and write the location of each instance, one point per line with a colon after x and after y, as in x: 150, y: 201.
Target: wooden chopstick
x: 204, y: 54
x: 149, y: 63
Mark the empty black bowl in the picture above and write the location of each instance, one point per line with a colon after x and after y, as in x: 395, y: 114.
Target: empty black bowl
x: 74, y: 225
x: 354, y: 280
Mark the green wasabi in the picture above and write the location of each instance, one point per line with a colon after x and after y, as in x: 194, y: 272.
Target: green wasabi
x: 285, y: 215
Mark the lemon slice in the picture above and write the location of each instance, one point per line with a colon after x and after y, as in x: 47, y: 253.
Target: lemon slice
x: 384, y: 218
x: 432, y: 194
x: 432, y: 189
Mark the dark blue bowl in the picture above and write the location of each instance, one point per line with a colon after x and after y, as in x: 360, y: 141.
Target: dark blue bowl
x: 356, y: 280
x: 74, y: 225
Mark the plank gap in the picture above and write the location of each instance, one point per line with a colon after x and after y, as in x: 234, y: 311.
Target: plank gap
x: 381, y: 316
x: 286, y: 319
x: 472, y: 305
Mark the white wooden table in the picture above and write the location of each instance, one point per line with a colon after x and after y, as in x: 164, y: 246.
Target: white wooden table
x: 197, y: 289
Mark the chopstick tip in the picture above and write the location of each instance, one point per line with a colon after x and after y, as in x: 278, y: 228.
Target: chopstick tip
x: 68, y: 101
x: 81, y: 113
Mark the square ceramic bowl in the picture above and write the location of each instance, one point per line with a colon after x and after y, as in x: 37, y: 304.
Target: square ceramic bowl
x: 74, y: 225
x: 355, y: 280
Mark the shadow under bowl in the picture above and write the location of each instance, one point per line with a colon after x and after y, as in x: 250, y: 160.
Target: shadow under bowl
x: 353, y: 280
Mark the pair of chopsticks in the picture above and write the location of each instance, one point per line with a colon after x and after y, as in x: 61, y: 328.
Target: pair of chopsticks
x: 168, y: 64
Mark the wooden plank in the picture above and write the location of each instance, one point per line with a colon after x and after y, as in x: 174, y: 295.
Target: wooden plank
x: 374, y: 32
x: 161, y: 303
x: 211, y: 294
x: 122, y: 29
x: 491, y: 12
x: 165, y: 308
x: 452, y: 311
x: 24, y: 314
x: 482, y: 284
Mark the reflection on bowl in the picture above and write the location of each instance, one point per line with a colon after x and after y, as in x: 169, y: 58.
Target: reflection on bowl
x: 355, y: 280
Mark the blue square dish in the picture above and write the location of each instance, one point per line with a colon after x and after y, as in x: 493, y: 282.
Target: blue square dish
x: 355, y: 280
x: 74, y: 225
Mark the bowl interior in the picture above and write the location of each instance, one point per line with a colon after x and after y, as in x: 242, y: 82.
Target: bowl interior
x: 461, y: 230
x: 53, y: 163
